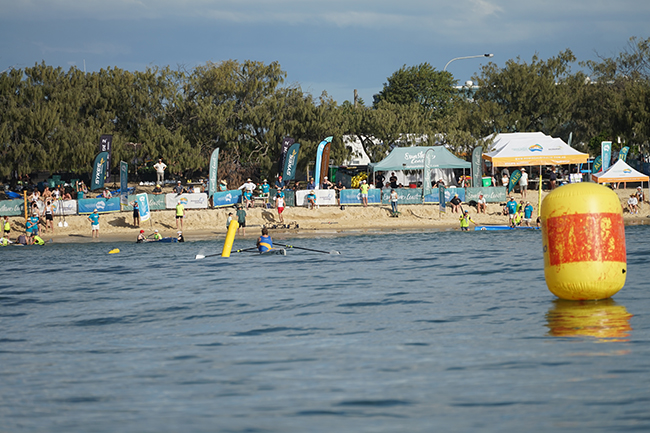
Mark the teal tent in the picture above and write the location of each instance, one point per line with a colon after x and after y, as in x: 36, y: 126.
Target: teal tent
x: 412, y: 158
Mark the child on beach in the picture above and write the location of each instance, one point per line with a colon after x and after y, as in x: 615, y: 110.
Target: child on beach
x: 229, y: 220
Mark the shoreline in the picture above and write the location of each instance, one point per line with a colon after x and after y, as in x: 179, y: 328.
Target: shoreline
x: 326, y: 221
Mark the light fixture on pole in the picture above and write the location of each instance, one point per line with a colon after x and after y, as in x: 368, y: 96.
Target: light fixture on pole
x: 467, y: 57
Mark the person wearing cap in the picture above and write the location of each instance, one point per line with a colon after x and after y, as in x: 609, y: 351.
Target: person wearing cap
x: 178, y: 189
x: 157, y: 189
x: 180, y: 236
x: 279, y: 204
x: 311, y: 199
x: 633, y: 204
x: 639, y: 195
x: 523, y: 182
x: 465, y: 219
x: 160, y: 167
x: 327, y: 184
x: 364, y: 192
x: 94, y: 223
x: 455, y: 204
x: 265, y: 189
x: 156, y: 235
x: 32, y: 227
x: 107, y: 194
x: 6, y: 228
x: 180, y: 213
x: 136, y: 213
x: 141, y: 237
x: 279, y: 183
x: 223, y: 185
x: 481, y: 204
x: 528, y: 213
x: 248, y: 188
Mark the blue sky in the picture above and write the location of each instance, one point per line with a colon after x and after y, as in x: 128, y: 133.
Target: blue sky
x: 326, y: 45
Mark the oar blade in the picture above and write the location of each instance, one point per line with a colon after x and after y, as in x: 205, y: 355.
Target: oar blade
x: 199, y: 257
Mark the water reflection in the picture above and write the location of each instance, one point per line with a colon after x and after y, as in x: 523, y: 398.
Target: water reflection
x: 604, y: 320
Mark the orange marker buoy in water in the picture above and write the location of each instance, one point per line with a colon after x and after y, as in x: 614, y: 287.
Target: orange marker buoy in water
x: 583, y: 237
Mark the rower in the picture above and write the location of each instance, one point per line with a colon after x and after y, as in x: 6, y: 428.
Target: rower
x: 264, y: 242
x: 157, y: 236
x: 141, y: 237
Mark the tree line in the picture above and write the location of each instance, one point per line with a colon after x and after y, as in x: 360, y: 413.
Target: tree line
x: 51, y: 119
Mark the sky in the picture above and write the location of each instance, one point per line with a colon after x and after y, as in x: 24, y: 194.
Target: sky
x: 326, y: 45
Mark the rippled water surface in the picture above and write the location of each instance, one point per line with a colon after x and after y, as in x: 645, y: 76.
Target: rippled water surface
x: 429, y: 331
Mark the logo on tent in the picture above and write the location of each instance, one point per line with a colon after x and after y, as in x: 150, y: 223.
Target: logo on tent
x: 536, y: 148
x: 627, y: 170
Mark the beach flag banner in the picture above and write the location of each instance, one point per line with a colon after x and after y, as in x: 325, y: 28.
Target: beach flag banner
x: 441, y: 198
x: 124, y: 183
x: 290, y: 162
x: 325, y: 163
x: 606, y: 153
x: 622, y: 155
x: 99, y: 171
x: 212, y: 176
x: 598, y: 164
x: 286, y: 144
x: 427, y: 189
x: 319, y: 157
x: 477, y: 167
x: 143, y: 206
x: 514, y: 180
x: 105, y: 145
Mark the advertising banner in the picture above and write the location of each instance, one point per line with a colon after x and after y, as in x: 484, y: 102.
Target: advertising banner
x: 12, y: 207
x: 429, y: 156
x: 490, y: 194
x: 88, y: 205
x: 212, y: 176
x: 324, y: 163
x: 64, y: 207
x: 226, y: 198
x: 284, y: 149
x: 124, y: 187
x: 324, y: 197
x: 105, y: 145
x: 606, y: 153
x: 514, y: 180
x: 622, y: 155
x: 290, y: 162
x: 319, y: 157
x: 143, y: 206
x: 477, y: 167
x: 99, y: 171
x: 353, y: 196
x: 404, y: 196
x: 442, y: 201
x: 189, y: 201
x: 598, y: 164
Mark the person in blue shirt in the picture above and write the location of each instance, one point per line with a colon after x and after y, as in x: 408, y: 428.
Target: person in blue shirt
x: 512, y: 209
x: 311, y: 199
x: 264, y: 242
x: 266, y: 191
x: 94, y: 223
x: 311, y: 184
x: 32, y: 227
x: 279, y: 183
x: 528, y: 213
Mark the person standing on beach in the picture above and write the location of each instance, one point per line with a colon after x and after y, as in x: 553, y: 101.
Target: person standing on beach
x: 364, y: 193
x: 528, y: 213
x: 32, y: 227
x: 94, y: 223
x: 160, y: 167
x: 6, y: 228
x: 49, y: 216
x: 136, y: 213
x: 393, y: 180
x: 279, y: 204
x: 393, y: 201
x: 512, y: 209
x: 241, y: 219
x: 552, y: 178
x: 180, y: 213
x: 228, y: 220
x: 523, y: 183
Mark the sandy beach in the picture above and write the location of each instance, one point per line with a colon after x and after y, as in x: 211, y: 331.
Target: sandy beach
x: 205, y: 224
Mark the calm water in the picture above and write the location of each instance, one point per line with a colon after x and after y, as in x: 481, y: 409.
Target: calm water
x: 418, y: 332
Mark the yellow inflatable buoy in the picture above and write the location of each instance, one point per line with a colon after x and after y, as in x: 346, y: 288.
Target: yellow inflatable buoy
x: 230, y: 238
x: 114, y: 251
x: 583, y: 237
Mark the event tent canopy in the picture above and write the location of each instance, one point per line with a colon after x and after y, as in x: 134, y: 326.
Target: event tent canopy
x: 619, y: 172
x: 531, y: 148
x: 412, y: 158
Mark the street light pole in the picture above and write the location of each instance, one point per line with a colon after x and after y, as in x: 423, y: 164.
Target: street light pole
x: 466, y: 57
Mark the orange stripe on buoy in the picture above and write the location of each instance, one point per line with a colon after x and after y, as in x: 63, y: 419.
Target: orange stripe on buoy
x: 592, y: 237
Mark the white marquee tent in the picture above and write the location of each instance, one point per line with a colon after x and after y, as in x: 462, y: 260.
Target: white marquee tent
x: 619, y: 172
x: 531, y: 148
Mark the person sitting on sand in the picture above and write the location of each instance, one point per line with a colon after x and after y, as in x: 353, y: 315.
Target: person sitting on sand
x: 632, y: 204
x: 639, y: 196
x: 311, y: 200
x: 481, y: 205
